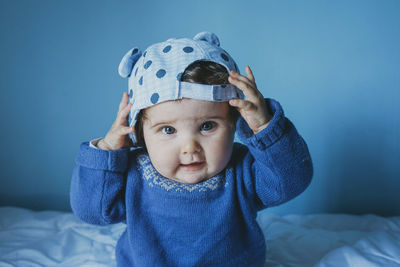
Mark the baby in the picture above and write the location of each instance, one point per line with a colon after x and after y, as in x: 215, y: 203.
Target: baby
x: 168, y: 167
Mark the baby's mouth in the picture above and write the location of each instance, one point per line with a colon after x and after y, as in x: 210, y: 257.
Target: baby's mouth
x: 193, y: 166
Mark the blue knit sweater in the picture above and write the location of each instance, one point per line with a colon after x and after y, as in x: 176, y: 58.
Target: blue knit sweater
x: 212, y: 223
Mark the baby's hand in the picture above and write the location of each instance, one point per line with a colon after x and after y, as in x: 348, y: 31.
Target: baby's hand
x: 253, y: 109
x: 117, y: 137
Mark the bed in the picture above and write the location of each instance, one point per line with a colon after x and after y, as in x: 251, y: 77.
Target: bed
x: 54, y: 238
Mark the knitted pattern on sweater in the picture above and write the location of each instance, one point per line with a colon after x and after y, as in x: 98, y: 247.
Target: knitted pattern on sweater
x: 154, y: 178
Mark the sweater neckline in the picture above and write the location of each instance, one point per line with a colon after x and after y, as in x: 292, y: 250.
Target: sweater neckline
x: 154, y: 179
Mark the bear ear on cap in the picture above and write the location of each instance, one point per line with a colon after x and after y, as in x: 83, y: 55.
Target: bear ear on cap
x: 207, y: 36
x: 128, y: 61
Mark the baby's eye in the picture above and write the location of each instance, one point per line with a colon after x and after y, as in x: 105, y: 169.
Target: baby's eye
x: 168, y: 130
x: 207, y: 126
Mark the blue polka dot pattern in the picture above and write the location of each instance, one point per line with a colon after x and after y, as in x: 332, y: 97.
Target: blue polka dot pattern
x: 166, y: 49
x: 154, y: 98
x: 188, y: 49
x: 224, y: 57
x: 160, y: 73
x: 147, y: 65
x: 162, y: 65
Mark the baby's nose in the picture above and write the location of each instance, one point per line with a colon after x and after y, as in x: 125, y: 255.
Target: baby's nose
x: 190, y: 146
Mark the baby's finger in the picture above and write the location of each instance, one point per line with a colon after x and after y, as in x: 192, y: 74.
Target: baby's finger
x: 240, y: 104
x: 124, y: 101
x: 240, y: 77
x: 249, y: 73
x: 122, y: 116
x: 124, y: 130
x: 250, y: 92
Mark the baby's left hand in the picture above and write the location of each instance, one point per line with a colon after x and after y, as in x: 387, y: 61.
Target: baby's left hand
x: 253, y: 109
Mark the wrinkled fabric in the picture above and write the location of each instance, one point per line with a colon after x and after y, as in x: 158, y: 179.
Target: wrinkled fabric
x: 31, y: 238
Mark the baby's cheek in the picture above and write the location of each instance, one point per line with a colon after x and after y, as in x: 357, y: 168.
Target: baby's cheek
x: 227, y: 150
x: 220, y: 153
x: 161, y: 165
x: 165, y: 162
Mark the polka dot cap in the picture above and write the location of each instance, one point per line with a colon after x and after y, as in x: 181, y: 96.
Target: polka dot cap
x: 154, y: 76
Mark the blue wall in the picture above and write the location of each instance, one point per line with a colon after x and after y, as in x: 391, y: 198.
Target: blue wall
x: 333, y: 65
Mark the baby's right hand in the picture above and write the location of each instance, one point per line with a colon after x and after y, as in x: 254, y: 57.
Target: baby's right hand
x: 117, y: 137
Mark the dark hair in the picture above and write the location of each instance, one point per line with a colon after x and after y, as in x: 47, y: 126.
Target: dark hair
x: 200, y: 71
x: 205, y: 72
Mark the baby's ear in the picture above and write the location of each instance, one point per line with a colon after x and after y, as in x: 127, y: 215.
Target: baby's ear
x: 207, y: 36
x: 128, y: 61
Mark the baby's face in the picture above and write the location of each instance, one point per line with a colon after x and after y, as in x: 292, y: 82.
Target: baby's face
x: 189, y: 140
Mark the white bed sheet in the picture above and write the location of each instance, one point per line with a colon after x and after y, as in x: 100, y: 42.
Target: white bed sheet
x: 52, y: 238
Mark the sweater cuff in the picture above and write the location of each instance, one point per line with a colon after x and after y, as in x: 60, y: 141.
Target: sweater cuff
x: 93, y: 143
x: 109, y: 160
x: 268, y: 136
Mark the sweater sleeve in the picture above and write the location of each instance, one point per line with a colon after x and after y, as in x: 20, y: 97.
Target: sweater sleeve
x: 98, y: 185
x: 277, y: 166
